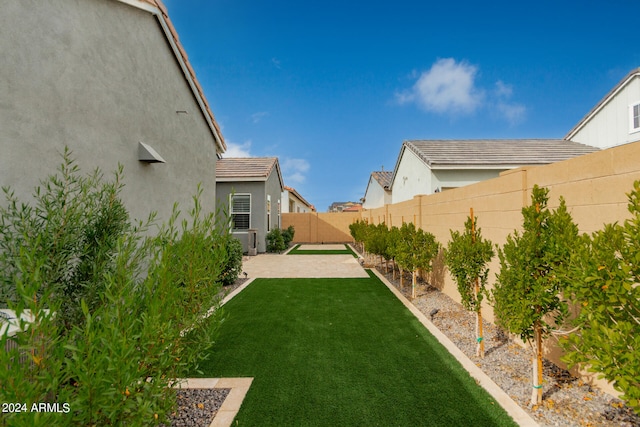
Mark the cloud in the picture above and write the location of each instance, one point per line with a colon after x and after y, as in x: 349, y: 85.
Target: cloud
x: 512, y: 112
x: 294, y: 170
x: 447, y: 87
x: 256, y: 117
x: 276, y: 63
x: 238, y: 150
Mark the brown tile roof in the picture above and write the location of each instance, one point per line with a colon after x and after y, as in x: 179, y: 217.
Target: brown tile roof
x: 246, y: 168
x: 383, y: 178
x: 495, y: 152
x: 192, y: 74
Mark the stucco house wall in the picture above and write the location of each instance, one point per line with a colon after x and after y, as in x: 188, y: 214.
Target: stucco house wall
x: 100, y: 76
x: 446, y: 179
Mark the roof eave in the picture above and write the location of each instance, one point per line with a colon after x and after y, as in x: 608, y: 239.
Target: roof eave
x: 157, y: 11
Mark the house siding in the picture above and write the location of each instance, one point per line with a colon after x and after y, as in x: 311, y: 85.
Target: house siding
x: 418, y: 178
x: 100, y: 76
x: 376, y: 196
x: 610, y: 126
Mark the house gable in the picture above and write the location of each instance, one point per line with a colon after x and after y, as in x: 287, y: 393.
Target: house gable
x: 610, y: 121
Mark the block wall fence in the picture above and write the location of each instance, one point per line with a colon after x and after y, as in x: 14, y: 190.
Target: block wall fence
x: 594, y: 186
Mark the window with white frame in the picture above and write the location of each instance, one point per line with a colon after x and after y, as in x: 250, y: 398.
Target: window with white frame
x: 634, y: 117
x: 240, y: 212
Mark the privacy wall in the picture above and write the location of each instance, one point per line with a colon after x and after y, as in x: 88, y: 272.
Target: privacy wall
x: 594, y: 187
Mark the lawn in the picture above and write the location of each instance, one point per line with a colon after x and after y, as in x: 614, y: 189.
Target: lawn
x: 341, y: 352
x: 346, y: 251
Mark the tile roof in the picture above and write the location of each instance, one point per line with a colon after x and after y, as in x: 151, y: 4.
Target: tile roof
x: 295, y: 193
x: 613, y: 92
x: 246, y: 168
x: 192, y: 74
x: 495, y: 152
x: 383, y: 178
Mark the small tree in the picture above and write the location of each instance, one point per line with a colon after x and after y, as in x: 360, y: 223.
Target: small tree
x: 376, y: 239
x: 358, y: 231
x: 608, y: 297
x: 287, y: 235
x: 467, y: 256
x: 528, y: 289
x: 393, y: 238
x: 416, y: 249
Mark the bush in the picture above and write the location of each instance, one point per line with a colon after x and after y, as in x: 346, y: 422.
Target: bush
x: 275, y: 241
x: 287, y: 235
x: 116, y: 314
x: 233, y: 261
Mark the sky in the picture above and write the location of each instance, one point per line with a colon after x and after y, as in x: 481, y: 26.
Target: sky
x: 333, y: 88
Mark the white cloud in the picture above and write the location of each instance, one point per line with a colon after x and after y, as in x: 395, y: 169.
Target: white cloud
x: 238, y: 150
x: 294, y: 170
x: 447, y: 87
x: 256, y: 117
x: 512, y: 112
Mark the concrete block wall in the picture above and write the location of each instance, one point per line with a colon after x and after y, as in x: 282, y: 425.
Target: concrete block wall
x: 594, y: 186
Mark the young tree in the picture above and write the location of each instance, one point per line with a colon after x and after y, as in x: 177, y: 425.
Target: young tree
x: 466, y: 257
x: 416, y: 250
x: 528, y: 289
x: 358, y: 231
x: 377, y: 239
x: 608, y: 297
x: 393, y: 237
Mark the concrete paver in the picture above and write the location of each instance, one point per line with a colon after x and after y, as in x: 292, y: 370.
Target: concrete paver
x: 300, y: 266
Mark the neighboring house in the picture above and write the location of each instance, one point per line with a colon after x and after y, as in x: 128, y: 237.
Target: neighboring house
x: 615, y: 120
x: 378, y: 192
x: 344, y: 206
x: 431, y: 166
x: 110, y: 80
x: 293, y: 202
x: 249, y: 189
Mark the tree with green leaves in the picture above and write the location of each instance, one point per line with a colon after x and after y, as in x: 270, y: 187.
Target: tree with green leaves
x: 376, y: 239
x: 607, y: 295
x: 467, y: 256
x: 358, y: 231
x: 415, y: 251
x: 533, y: 266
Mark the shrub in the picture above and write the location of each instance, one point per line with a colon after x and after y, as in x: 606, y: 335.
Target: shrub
x: 287, y: 235
x: 233, y: 261
x: 275, y: 241
x: 608, y: 297
x: 116, y: 314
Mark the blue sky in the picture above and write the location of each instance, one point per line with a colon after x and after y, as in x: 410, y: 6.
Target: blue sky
x: 333, y: 88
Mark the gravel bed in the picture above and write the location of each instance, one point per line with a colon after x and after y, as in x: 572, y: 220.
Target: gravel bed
x: 197, y: 406
x: 567, y: 401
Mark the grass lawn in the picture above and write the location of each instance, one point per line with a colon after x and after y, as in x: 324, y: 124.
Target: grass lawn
x: 346, y: 251
x: 342, y: 352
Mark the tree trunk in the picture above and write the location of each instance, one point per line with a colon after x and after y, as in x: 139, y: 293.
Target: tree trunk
x: 401, y: 278
x: 413, y: 284
x: 536, y: 392
x: 479, y: 332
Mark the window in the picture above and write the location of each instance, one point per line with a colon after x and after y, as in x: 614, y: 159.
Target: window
x: 634, y: 117
x: 240, y: 212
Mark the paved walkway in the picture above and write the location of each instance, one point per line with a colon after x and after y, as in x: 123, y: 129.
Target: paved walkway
x: 299, y: 266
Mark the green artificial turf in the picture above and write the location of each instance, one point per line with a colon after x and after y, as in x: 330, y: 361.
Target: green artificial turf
x: 342, y: 352
x: 346, y: 251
